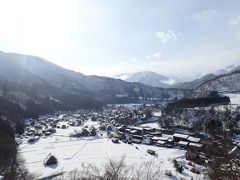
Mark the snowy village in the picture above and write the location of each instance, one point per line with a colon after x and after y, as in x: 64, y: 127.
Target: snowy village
x: 59, y: 143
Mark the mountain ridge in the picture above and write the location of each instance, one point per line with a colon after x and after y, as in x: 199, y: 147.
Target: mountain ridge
x: 149, y: 78
x: 225, y: 83
x: 35, y: 82
x: 208, y: 77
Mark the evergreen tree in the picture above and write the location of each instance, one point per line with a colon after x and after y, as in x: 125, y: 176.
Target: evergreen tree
x: 228, y: 119
x: 165, y: 120
x: 213, y: 125
x: 19, y: 128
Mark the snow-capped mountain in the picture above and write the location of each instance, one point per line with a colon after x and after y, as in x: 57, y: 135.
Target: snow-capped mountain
x: 226, y: 80
x: 208, y: 77
x: 225, y: 83
x: 149, y: 78
x: 228, y: 69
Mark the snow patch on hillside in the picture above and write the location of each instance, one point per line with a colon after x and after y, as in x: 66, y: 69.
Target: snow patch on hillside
x: 234, y: 98
x: 169, y: 81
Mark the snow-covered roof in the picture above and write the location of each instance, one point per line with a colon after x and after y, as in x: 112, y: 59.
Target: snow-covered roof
x: 157, y: 114
x: 195, y: 144
x: 235, y: 149
x: 163, y: 138
x: 193, y: 139
x: 138, y: 128
x: 161, y: 142
x: 148, y: 128
x: 183, y: 143
x: 48, y: 156
x: 184, y: 136
x: 133, y: 131
x: 155, y: 133
x: 156, y: 138
x: 136, y: 140
x: 18, y: 141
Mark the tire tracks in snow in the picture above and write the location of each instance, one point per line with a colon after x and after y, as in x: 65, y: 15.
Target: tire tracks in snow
x: 75, y: 154
x: 106, y: 145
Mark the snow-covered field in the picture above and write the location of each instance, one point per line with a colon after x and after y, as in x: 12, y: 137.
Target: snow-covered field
x: 72, y: 152
x: 234, y: 98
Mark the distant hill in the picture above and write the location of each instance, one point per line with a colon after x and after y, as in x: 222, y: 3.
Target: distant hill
x: 149, y: 78
x: 195, y: 83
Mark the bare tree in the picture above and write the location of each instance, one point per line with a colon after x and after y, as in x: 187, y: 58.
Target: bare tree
x: 18, y: 169
x: 115, y: 170
x: 148, y: 171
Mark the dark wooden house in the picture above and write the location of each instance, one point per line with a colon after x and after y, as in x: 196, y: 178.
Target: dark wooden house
x: 50, y: 160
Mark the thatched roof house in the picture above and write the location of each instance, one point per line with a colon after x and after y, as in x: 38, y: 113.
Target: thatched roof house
x: 50, y: 160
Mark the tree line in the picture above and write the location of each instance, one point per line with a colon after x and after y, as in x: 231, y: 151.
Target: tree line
x: 197, y: 102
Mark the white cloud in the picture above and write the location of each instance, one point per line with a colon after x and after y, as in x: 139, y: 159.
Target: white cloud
x: 166, y: 36
x: 235, y: 21
x: 235, y: 26
x: 206, y: 14
x: 134, y: 59
x: 157, y: 54
x: 196, y: 63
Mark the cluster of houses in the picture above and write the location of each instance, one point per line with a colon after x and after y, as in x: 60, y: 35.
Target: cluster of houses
x: 194, y: 145
x: 46, y: 125
x: 157, y: 136
x: 129, y: 115
x: 122, y: 124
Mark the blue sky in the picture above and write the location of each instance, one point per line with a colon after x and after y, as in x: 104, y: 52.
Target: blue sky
x: 182, y: 38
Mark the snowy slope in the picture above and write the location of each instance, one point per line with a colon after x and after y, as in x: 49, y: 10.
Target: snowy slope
x: 234, y: 98
x: 224, y: 83
x: 228, y: 69
x: 208, y: 77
